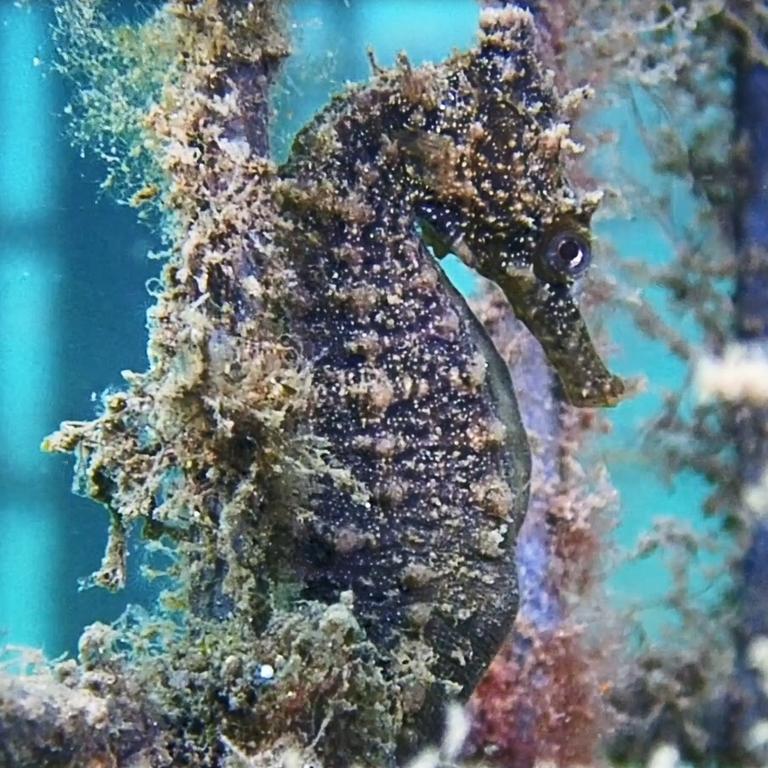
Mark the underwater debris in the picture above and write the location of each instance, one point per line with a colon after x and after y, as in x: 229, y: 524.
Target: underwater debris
x: 739, y: 375
x: 326, y: 438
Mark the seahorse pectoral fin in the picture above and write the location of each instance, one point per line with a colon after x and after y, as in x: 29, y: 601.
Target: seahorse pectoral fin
x: 442, y: 245
x: 551, y: 314
x: 431, y: 237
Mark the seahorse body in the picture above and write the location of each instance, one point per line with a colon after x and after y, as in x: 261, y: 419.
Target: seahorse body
x: 411, y: 393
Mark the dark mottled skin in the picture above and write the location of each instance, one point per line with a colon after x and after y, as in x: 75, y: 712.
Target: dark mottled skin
x: 411, y: 393
x: 406, y: 400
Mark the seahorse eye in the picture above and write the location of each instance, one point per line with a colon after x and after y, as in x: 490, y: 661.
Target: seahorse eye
x: 570, y: 252
x: 567, y: 256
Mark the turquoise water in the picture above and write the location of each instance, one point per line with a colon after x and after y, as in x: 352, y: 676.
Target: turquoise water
x: 72, y: 304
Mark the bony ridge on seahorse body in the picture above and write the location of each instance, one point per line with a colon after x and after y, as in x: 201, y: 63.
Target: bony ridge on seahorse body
x: 411, y: 393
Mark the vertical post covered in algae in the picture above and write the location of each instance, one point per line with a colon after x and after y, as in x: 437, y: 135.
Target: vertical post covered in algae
x: 326, y: 446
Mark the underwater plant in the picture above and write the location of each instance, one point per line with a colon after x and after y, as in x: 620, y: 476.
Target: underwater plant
x: 326, y: 447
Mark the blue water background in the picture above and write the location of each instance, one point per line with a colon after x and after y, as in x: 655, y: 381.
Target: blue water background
x: 73, y: 269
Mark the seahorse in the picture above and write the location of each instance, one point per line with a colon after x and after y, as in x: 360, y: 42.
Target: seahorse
x: 318, y: 276
x: 465, y: 156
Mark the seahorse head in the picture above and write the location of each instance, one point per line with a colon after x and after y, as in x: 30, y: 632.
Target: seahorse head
x: 490, y: 185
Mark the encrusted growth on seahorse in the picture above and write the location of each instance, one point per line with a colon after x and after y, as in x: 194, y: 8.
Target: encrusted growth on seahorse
x: 323, y: 416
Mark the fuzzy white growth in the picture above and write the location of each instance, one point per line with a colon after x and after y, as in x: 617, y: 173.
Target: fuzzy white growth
x: 757, y: 738
x: 664, y: 756
x: 238, y: 150
x: 740, y: 375
x: 457, y: 726
x: 428, y: 758
x: 456, y: 731
x: 505, y: 17
x: 758, y: 656
x: 755, y: 500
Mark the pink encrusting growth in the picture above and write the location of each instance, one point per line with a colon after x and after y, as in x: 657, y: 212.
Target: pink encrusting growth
x: 539, y: 701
